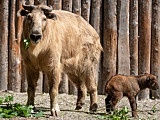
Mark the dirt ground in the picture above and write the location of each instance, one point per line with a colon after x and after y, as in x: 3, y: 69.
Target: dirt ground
x: 67, y: 106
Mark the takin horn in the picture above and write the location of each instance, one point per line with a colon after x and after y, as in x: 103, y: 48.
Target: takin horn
x: 46, y: 9
x: 28, y: 7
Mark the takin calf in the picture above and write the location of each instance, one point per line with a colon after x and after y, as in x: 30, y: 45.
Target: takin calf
x: 129, y: 86
x: 56, y: 41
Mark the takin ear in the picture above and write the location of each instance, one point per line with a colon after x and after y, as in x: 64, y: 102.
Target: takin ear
x: 22, y: 12
x: 52, y: 16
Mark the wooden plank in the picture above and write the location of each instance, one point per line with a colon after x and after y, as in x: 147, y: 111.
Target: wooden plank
x: 4, y: 44
x: 123, y: 38
x: 85, y: 9
x: 67, y: 5
x: 144, y: 41
x: 96, y: 14
x: 66, y: 86
x: 133, y: 36
x: 76, y: 7
x: 109, y: 42
x: 155, y: 45
x: 38, y: 2
x: 57, y: 4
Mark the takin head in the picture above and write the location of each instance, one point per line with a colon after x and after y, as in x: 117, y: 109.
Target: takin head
x: 36, y: 20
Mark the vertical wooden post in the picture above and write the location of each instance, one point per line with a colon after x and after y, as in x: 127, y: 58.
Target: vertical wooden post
x: 85, y: 9
x: 77, y: 7
x: 4, y: 9
x: 109, y: 41
x: 14, y: 53
x: 37, y: 2
x: 155, y: 45
x: 19, y: 28
x: 65, y: 84
x: 57, y: 4
x: 67, y: 5
x: 123, y: 38
x: 144, y: 40
x: 95, y: 15
x: 133, y: 36
x: 95, y: 20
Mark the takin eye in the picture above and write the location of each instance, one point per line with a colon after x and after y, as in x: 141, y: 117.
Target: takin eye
x: 29, y: 17
x: 44, y: 19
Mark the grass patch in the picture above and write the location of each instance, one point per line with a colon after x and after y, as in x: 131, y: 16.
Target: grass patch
x: 9, y: 110
x: 121, y: 114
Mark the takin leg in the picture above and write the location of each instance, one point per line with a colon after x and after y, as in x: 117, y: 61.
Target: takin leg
x: 53, y: 82
x: 32, y: 78
x: 107, y: 103
x: 92, y: 90
x: 80, y: 85
x: 133, y: 104
x: 81, y: 95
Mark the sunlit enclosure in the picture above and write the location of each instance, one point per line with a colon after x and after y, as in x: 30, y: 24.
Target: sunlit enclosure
x: 129, y: 32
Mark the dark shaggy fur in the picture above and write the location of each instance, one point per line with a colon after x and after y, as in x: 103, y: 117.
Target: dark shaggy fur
x: 129, y: 86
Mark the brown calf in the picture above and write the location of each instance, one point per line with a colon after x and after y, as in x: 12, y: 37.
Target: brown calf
x: 129, y: 86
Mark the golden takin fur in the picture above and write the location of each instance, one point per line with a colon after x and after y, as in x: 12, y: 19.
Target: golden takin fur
x: 60, y: 41
x: 129, y: 86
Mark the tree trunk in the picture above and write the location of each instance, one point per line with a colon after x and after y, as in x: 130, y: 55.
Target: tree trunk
x: 4, y: 10
x: 39, y: 88
x: 85, y: 9
x: 123, y: 38
x: 14, y: 82
x: 57, y: 4
x: 109, y: 41
x: 144, y: 41
x: 77, y: 7
x: 67, y: 5
x: 38, y: 2
x: 29, y: 2
x: 63, y: 87
x: 65, y: 83
x: 133, y: 37
x: 95, y: 15
x: 155, y: 46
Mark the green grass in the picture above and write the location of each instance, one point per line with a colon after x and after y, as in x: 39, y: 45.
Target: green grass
x: 9, y: 110
x: 121, y: 114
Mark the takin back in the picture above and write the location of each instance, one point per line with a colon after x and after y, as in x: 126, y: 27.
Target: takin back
x: 59, y: 41
x: 129, y: 86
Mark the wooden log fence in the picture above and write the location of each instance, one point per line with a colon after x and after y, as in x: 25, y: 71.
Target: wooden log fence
x: 129, y: 32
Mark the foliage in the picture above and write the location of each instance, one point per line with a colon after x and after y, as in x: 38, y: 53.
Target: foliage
x: 117, y: 115
x: 26, y: 43
x: 8, y: 110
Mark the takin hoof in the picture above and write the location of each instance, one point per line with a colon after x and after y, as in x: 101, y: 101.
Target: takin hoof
x: 55, y: 111
x: 93, y: 108
x: 79, y: 106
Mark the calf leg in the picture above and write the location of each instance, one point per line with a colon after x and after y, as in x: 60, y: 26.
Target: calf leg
x: 107, y: 103
x: 53, y: 81
x: 117, y: 96
x: 32, y: 78
x: 133, y: 105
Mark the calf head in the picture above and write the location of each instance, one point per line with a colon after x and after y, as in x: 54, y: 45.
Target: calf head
x: 152, y: 82
x: 36, y: 20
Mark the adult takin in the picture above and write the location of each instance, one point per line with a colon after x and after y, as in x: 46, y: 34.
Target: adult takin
x: 59, y: 41
x: 129, y: 86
